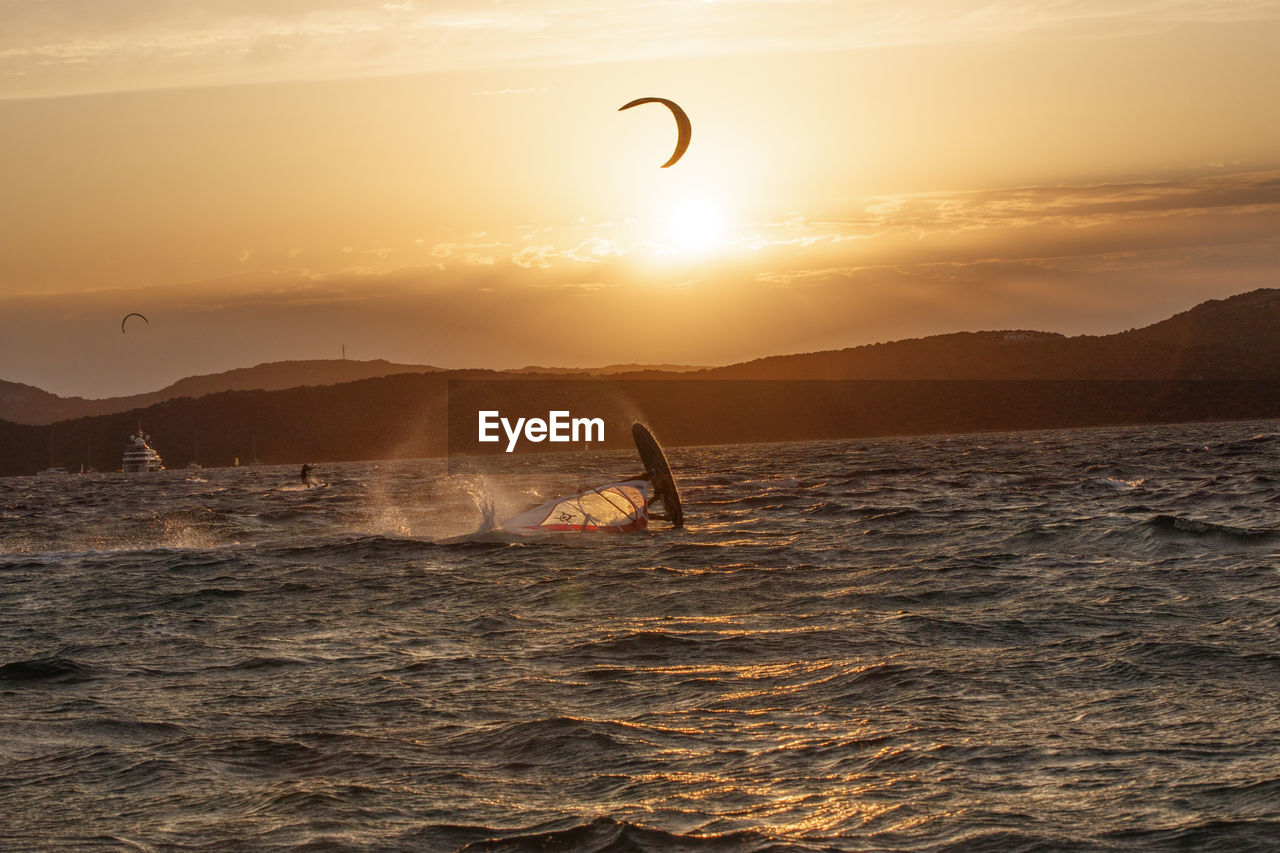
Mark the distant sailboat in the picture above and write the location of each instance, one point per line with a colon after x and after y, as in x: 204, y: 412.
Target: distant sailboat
x: 52, y: 469
x: 195, y: 452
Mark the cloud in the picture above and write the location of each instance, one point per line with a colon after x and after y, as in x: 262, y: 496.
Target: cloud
x: 526, y: 91
x: 59, y: 47
x: 1088, y: 226
x: 535, y: 256
x: 1073, y: 259
x: 1197, y: 220
x: 593, y: 250
x: 1082, y: 205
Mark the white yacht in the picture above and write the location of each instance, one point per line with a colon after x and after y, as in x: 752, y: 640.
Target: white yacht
x: 140, y: 456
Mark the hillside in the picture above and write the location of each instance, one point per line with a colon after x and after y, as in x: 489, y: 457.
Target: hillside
x: 25, y: 404
x: 609, y: 370
x: 406, y: 415
x: 1219, y: 360
x: 1226, y: 339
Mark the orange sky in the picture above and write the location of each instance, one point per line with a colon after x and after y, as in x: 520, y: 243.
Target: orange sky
x: 451, y: 182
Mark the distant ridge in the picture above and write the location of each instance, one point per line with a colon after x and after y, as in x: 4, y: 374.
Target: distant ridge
x: 1237, y: 338
x: 1232, y: 339
x: 608, y: 369
x: 25, y: 404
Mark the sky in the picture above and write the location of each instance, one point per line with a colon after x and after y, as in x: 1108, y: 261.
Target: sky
x: 451, y: 182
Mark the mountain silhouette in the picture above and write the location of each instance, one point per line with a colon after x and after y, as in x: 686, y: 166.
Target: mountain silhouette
x: 1217, y: 361
x: 25, y: 404
x: 1226, y: 339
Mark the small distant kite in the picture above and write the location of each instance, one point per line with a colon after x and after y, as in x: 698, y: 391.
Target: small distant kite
x: 684, y: 129
x: 133, y: 314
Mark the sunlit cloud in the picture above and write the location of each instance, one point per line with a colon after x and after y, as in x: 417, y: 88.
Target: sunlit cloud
x: 1081, y: 206
x: 1103, y: 227
x: 593, y: 250
x: 1095, y: 258
x: 542, y: 90
x: 1043, y: 225
x: 534, y: 256
x: 59, y: 47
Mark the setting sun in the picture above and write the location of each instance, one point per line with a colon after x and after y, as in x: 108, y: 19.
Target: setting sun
x: 696, y: 224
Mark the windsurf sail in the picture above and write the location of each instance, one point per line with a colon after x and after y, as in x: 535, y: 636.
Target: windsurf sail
x: 615, y: 508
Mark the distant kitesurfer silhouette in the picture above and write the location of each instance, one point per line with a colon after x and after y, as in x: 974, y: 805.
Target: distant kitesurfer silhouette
x: 684, y: 130
x: 306, y: 475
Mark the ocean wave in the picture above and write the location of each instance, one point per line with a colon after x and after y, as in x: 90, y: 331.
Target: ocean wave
x: 200, y: 598
x: 1213, y: 835
x: 261, y: 662
x: 607, y: 835
x: 1194, y: 527
x: 782, y: 675
x: 52, y: 669
x: 827, y: 509
x: 355, y: 546
x: 662, y: 645
x: 1121, y: 484
x: 546, y: 741
x: 1180, y: 656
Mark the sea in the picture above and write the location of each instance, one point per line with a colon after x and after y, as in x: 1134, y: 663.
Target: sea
x: 1060, y: 640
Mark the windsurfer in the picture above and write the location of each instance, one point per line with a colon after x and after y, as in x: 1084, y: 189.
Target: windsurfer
x: 622, y: 507
x: 658, y: 494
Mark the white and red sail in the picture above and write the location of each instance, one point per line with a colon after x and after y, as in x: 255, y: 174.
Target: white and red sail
x: 615, y: 508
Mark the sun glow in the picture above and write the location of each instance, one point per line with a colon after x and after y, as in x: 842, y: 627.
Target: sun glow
x: 696, y: 224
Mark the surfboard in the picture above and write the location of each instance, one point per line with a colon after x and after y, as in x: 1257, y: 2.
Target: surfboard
x: 656, y: 465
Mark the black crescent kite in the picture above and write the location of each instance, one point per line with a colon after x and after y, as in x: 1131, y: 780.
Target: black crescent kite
x: 133, y: 314
x: 683, y: 128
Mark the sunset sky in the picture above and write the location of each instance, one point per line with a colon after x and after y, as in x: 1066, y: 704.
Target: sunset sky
x: 450, y: 182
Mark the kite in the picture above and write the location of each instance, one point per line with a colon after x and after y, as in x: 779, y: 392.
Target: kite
x: 133, y: 314
x: 683, y: 128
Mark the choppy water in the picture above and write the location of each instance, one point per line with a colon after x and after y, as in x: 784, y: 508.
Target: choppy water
x: 1060, y: 640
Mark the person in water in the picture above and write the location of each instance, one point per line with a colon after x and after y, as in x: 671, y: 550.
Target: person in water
x: 306, y: 475
x: 659, y: 495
